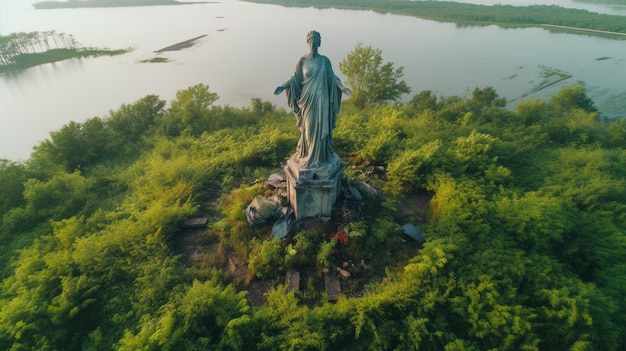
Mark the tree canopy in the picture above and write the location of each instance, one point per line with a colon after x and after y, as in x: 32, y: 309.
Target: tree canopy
x: 371, y: 81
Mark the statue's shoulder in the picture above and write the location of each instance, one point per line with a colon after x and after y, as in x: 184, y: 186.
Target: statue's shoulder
x: 300, y: 61
x: 325, y: 58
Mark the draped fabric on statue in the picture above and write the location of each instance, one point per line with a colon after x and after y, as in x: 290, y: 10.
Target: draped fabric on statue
x: 314, y: 97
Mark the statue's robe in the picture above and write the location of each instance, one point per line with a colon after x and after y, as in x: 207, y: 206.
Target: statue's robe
x: 315, y: 98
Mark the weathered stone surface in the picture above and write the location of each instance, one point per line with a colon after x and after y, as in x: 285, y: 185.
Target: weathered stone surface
x: 413, y: 232
x: 276, y: 181
x: 314, y: 171
x: 280, y: 229
x: 292, y: 280
x: 312, y: 192
x: 333, y: 286
x: 194, y: 222
x: 261, y: 210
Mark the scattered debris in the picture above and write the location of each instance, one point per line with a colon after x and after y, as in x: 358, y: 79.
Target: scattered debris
x: 376, y: 170
x: 333, y: 286
x: 194, y: 222
x: 344, y: 273
x: 370, y: 190
x: 276, y: 181
x: 261, y: 210
x: 280, y: 229
x: 413, y: 232
x: 292, y: 280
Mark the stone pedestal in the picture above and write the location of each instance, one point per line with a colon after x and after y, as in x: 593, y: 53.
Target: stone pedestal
x: 312, y: 192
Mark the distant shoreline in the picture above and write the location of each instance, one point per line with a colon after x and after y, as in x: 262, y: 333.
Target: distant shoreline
x: 583, y: 29
x: 567, y: 19
x: 49, y: 5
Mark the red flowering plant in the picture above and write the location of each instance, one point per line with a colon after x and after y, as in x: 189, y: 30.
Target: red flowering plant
x: 340, y: 236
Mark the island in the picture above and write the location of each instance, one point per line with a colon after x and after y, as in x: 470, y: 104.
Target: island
x: 23, y: 50
x: 46, y: 5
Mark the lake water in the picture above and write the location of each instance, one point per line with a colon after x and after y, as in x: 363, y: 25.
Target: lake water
x: 250, y: 49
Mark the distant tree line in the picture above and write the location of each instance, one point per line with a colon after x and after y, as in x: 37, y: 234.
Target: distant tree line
x: 16, y: 44
x: 45, y: 5
x: 534, y: 15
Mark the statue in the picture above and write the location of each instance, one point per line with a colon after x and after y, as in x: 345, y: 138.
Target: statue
x: 314, y: 94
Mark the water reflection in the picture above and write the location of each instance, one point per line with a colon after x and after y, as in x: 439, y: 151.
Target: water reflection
x: 258, y: 47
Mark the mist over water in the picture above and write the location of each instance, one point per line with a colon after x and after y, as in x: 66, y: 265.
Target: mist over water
x: 249, y: 49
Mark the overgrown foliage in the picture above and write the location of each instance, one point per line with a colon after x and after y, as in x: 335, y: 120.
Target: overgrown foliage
x: 525, y: 249
x: 371, y: 81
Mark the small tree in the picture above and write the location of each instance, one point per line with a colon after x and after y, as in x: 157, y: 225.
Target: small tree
x: 370, y: 80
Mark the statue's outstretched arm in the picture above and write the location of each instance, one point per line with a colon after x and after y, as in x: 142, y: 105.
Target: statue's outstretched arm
x: 281, y: 88
x: 344, y: 89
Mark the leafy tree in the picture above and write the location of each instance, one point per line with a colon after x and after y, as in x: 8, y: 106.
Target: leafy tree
x: 12, y: 176
x: 190, y: 111
x: 423, y: 101
x: 130, y: 122
x: 572, y: 97
x: 76, y: 145
x: 371, y: 81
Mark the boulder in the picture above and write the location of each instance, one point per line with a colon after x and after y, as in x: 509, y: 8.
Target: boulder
x: 261, y: 210
x: 280, y: 228
x: 276, y: 181
x: 413, y: 232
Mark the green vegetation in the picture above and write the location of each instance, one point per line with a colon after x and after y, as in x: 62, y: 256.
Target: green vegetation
x: 524, y: 224
x: 45, y: 5
x: 372, y: 82
x: 22, y: 50
x: 156, y: 60
x: 471, y: 14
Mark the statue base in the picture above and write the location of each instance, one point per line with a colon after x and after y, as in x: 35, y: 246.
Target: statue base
x: 312, y: 192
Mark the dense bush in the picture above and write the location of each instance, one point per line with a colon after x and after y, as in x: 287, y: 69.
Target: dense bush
x: 525, y: 230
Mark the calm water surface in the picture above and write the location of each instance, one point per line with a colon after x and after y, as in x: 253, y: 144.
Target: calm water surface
x: 250, y: 49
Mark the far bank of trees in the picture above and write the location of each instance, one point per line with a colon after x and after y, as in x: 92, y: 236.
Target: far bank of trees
x: 16, y: 44
x: 44, y: 5
x: 474, y: 14
x: 22, y: 50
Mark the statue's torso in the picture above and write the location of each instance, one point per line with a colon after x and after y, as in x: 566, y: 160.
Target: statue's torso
x: 312, y: 65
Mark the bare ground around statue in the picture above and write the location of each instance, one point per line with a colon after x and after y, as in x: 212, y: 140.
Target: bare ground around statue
x: 201, y: 248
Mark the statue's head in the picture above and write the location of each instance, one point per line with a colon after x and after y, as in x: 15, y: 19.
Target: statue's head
x: 314, y: 35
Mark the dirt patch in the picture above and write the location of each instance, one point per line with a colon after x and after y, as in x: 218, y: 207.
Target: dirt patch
x: 257, y: 293
x: 416, y: 206
x: 197, y: 248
